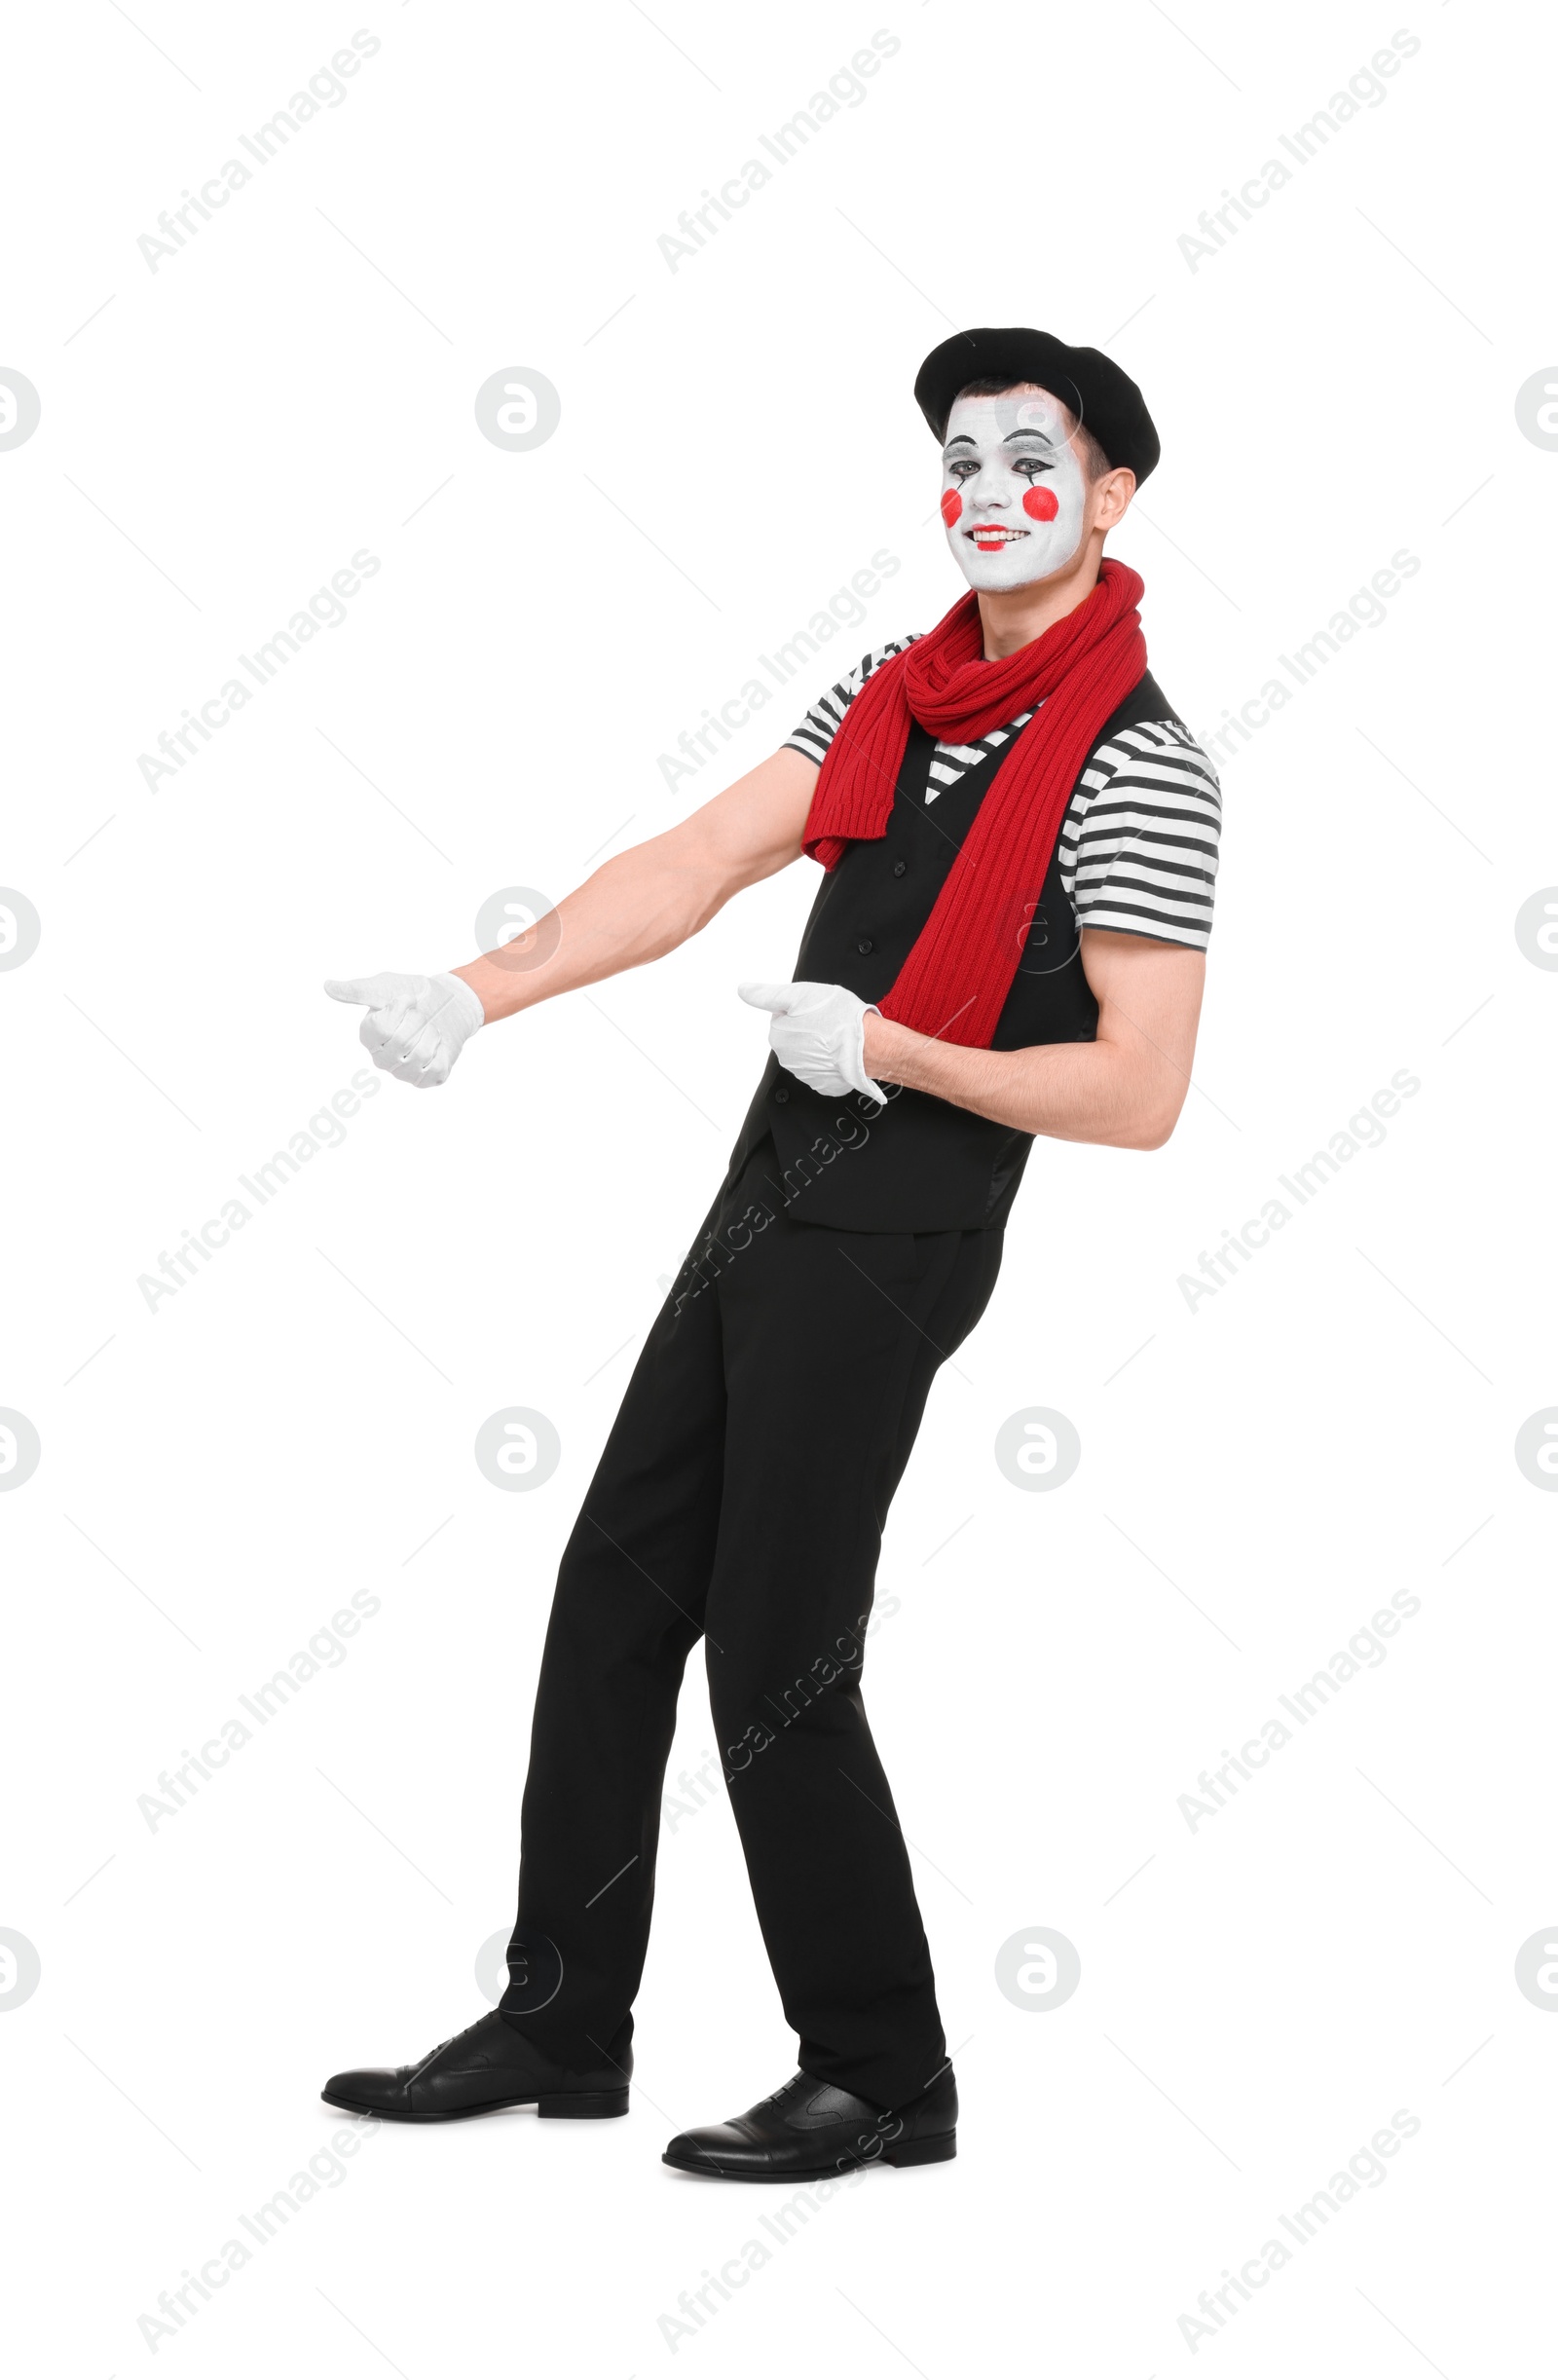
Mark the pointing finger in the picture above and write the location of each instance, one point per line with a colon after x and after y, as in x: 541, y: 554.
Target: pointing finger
x: 777, y: 998
x: 362, y: 990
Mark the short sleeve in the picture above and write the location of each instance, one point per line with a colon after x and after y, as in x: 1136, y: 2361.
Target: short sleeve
x: 1138, y: 845
x: 820, y: 725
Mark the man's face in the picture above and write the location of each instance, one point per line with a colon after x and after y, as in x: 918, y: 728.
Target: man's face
x: 1014, y: 498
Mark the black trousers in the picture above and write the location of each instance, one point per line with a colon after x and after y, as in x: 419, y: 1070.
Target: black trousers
x: 741, y: 1499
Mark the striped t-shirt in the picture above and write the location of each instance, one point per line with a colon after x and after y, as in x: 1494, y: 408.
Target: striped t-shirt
x: 1138, y: 843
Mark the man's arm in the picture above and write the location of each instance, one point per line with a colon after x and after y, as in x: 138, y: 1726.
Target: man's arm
x: 650, y: 900
x: 633, y: 909
x: 1125, y: 1089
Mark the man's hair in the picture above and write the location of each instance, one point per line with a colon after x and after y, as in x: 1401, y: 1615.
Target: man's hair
x: 1095, y: 461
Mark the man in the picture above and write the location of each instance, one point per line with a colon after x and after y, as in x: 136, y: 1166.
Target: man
x: 1020, y: 841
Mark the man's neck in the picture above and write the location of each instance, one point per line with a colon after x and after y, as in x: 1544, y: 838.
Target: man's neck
x: 1013, y: 619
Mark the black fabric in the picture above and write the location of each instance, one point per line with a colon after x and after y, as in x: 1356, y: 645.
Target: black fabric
x: 1105, y: 401
x: 740, y: 1499
x: 920, y: 1164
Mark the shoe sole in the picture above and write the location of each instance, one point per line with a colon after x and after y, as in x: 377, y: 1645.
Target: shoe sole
x: 934, y: 2151
x: 574, y: 2103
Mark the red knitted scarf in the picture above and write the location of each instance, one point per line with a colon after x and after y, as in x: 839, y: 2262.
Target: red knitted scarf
x: 954, y: 982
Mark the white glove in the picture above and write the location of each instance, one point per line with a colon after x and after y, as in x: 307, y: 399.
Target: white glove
x: 415, y: 1025
x: 818, y: 1033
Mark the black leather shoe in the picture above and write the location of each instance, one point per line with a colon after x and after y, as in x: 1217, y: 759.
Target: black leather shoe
x: 811, y: 2130
x: 488, y: 2066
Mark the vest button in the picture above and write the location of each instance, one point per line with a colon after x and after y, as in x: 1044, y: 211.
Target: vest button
x: 900, y: 867
x: 780, y: 1094
x: 865, y: 945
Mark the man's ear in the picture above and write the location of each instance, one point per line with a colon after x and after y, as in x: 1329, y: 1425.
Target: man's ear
x: 1112, y: 496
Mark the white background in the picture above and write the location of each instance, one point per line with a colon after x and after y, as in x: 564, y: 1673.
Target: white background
x: 1262, y: 1473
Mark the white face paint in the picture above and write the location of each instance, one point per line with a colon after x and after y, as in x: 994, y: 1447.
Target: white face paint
x: 1013, y: 492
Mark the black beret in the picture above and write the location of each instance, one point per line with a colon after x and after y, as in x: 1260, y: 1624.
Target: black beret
x: 1105, y: 401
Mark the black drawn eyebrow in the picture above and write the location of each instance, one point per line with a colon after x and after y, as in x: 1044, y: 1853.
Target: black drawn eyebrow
x: 963, y: 440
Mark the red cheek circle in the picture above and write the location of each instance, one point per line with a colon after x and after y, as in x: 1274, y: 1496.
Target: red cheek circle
x: 951, y: 507
x: 1041, y: 504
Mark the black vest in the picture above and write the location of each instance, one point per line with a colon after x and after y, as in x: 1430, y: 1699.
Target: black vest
x: 920, y: 1164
